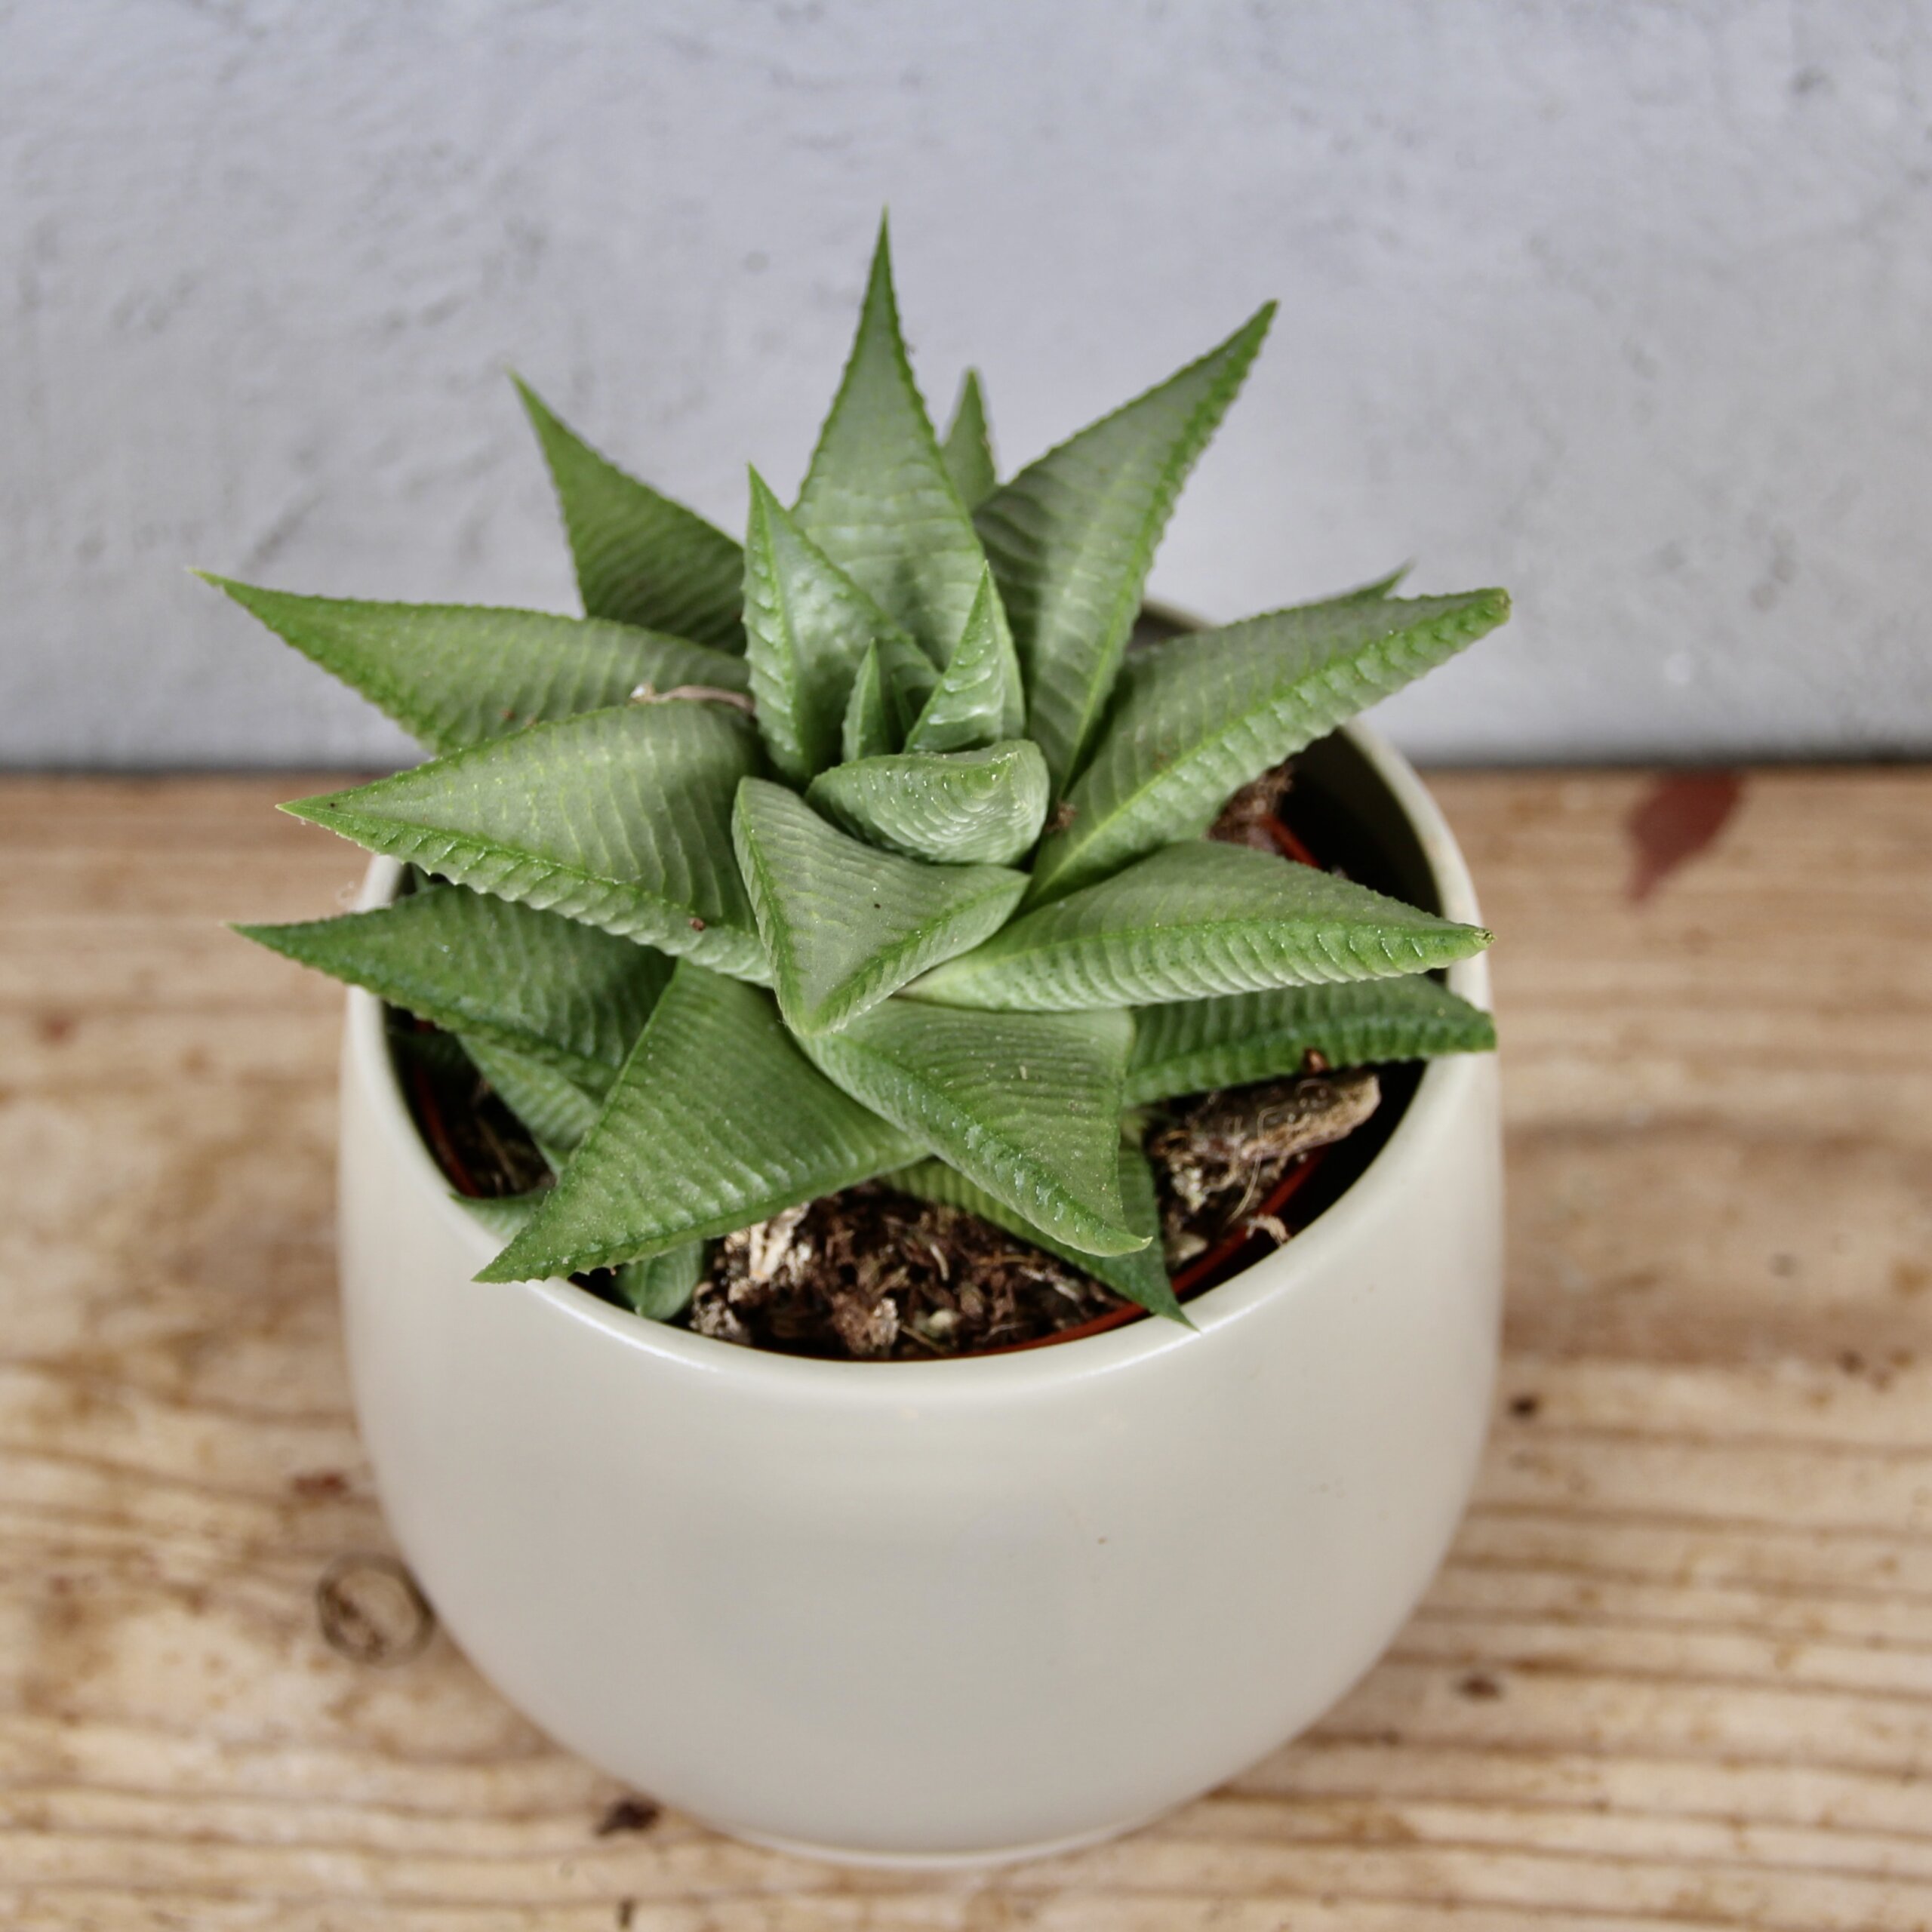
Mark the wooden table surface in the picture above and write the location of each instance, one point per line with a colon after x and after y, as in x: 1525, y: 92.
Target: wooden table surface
x: 1677, y: 1672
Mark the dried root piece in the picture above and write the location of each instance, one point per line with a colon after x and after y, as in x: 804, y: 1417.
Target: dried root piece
x: 1244, y: 818
x: 1219, y: 1159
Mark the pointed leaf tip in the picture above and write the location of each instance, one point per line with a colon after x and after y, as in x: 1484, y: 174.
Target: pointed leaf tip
x: 620, y: 818
x: 1071, y: 539
x: 878, y: 498
x: 716, y: 1120
x: 977, y: 699
x: 1194, y: 718
x: 455, y: 675
x: 967, y: 445
x: 642, y: 558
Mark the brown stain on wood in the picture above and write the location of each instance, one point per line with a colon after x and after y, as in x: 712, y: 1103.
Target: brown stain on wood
x: 627, y: 1814
x: 1700, y: 1573
x: 1680, y: 817
x: 318, y: 1485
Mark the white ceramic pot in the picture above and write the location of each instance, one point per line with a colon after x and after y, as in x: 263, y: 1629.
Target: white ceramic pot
x: 927, y: 1613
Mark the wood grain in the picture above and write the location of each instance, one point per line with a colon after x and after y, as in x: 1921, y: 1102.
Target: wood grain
x: 1677, y: 1672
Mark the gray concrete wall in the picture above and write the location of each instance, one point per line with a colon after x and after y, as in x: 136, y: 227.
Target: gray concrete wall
x: 1626, y: 306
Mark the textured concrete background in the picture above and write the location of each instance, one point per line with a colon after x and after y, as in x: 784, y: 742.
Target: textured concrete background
x: 1624, y: 306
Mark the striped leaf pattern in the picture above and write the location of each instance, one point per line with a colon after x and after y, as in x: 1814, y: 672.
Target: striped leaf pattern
x: 1027, y: 1106
x: 456, y: 675
x: 953, y: 807
x: 619, y: 818
x: 845, y: 924
x: 1196, y: 718
x: 557, y: 992
x: 878, y: 499
x: 1193, y: 1046
x: 1071, y: 537
x: 1193, y: 920
x: 716, y: 1120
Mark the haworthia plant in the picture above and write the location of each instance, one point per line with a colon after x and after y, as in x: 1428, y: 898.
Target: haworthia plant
x: 869, y: 848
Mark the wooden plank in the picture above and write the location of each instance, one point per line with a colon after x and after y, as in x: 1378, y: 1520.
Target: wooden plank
x: 1677, y: 1672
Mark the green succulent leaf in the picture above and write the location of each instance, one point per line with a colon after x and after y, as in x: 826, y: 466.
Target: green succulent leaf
x: 659, y: 1289
x: 1071, y: 537
x: 557, y: 1110
x: 1026, y: 1105
x: 877, y: 499
x: 1192, y: 920
x: 1197, y: 717
x: 968, y: 447
x: 1142, y: 1276
x: 845, y: 924
x: 717, y: 1120
x: 454, y: 675
x: 954, y: 807
x: 545, y: 987
x: 893, y: 681
x: 619, y: 818
x: 977, y: 700
x: 641, y: 559
x: 865, y: 731
x: 1193, y: 1046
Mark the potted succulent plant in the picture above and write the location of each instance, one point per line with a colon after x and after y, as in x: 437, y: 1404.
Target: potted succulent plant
x: 860, y: 943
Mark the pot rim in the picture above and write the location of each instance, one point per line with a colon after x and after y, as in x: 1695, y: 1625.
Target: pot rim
x: 1434, y: 1106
